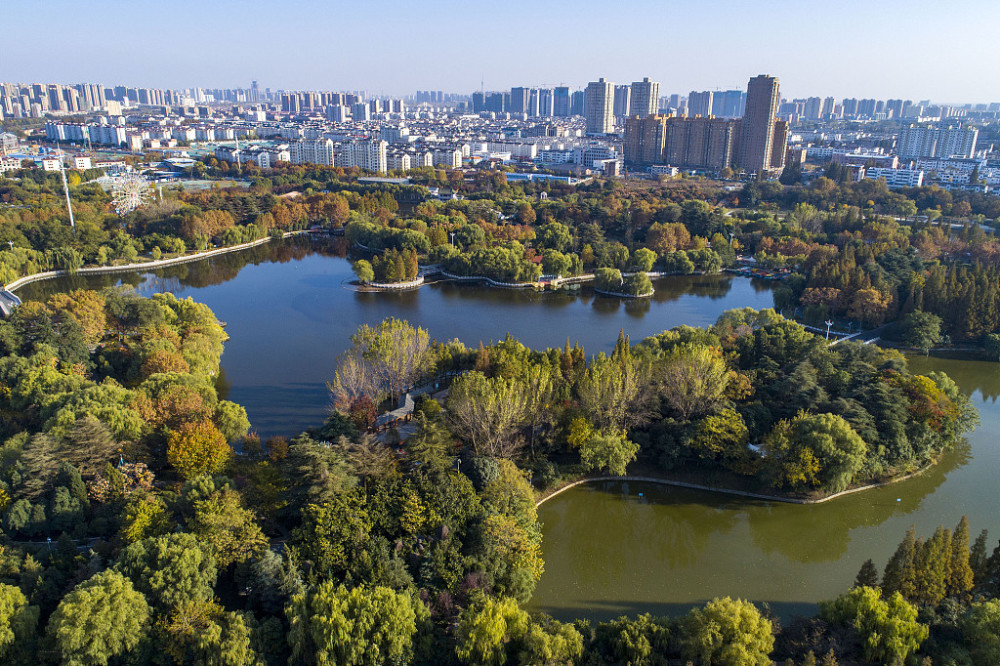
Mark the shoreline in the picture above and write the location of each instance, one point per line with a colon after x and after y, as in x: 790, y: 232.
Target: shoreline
x: 157, y: 263
x: 732, y: 491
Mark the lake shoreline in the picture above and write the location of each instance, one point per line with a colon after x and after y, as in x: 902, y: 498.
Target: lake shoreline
x: 786, y: 499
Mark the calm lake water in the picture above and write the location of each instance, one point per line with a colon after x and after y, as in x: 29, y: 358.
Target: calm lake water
x: 290, y: 312
x: 627, y: 548
x: 609, y: 548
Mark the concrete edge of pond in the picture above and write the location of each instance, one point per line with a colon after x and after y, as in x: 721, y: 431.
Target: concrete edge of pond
x: 730, y: 491
x: 146, y: 265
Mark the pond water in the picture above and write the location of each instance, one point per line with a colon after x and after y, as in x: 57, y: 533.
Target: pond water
x: 609, y: 548
x: 627, y: 548
x: 290, y: 312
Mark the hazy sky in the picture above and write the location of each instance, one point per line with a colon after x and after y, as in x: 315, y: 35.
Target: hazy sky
x: 917, y: 49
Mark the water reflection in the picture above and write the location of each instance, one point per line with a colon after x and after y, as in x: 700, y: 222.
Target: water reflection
x: 290, y: 313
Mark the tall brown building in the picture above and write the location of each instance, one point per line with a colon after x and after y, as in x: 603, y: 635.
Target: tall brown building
x: 758, y: 134
x: 644, y: 139
x: 702, y: 143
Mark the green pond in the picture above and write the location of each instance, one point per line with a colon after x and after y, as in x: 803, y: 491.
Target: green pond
x: 626, y: 548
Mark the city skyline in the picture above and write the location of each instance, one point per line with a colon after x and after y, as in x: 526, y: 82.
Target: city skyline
x: 684, y: 48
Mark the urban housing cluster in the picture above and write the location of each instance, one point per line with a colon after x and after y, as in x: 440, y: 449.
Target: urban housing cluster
x: 534, y: 132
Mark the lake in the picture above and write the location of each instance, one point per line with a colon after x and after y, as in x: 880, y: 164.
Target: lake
x: 609, y: 548
x: 289, y: 312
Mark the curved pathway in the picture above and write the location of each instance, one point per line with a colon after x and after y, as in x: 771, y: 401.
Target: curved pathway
x: 144, y: 265
x: 730, y: 491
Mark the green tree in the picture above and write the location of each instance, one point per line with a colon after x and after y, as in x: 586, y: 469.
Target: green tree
x: 202, y: 632
x: 888, y: 629
x: 170, y: 569
x: 486, y: 629
x: 981, y: 632
x: 921, y: 330
x: 611, y: 451
x: 18, y: 621
x: 363, y: 270
x: 643, y: 259
x: 820, y: 450
x: 723, y: 437
x: 333, y: 626
x: 640, y: 641
x: 227, y: 528
x: 867, y: 575
x: 101, y: 618
x: 727, y: 632
x: 694, y: 379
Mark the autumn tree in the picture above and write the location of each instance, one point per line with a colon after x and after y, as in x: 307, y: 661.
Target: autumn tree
x: 198, y: 448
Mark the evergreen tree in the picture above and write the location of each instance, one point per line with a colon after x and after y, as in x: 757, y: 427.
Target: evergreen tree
x: 977, y: 557
x: 867, y: 576
x: 961, y: 577
x: 899, y: 575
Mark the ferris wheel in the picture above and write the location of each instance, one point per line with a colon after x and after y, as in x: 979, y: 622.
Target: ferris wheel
x: 129, y: 192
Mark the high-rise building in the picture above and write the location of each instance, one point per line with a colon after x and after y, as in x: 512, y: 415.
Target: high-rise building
x: 644, y: 139
x: 546, y: 102
x: 699, y: 103
x: 814, y: 107
x: 598, y: 107
x: 728, y: 103
x: 757, y: 132
x: 623, y: 101
x: 576, y: 103
x: 478, y: 102
x: 560, y: 101
x: 941, y: 142
x: 519, y: 100
x: 645, y: 94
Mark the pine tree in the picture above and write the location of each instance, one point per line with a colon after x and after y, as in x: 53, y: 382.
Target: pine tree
x: 899, y: 571
x: 977, y: 557
x: 960, y: 574
x: 933, y: 559
x: 867, y: 576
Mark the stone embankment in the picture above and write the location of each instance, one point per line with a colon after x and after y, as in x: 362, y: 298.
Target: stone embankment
x: 142, y: 265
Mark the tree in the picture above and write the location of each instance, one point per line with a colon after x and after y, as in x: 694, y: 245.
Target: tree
x: 489, y: 412
x: 17, y: 623
x: 101, y: 618
x: 170, y: 569
x: 608, y: 451
x: 612, y: 392
x: 960, y: 574
x: 867, y: 575
x: 981, y: 632
x: 723, y: 437
x: 921, y: 330
x: 554, y: 236
x: 888, y: 629
x: 727, y: 632
x: 332, y: 533
x: 991, y: 344
x: 820, y: 450
x: 486, y: 628
x: 643, y: 259
x: 331, y: 625
x: 390, y: 357
x: 640, y: 641
x: 198, y: 448
x: 202, y: 632
x: 229, y: 530
x: 694, y: 379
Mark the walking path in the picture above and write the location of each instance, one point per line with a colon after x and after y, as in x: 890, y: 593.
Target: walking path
x: 730, y: 491
x: 144, y: 265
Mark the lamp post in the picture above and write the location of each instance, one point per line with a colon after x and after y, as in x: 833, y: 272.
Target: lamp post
x: 828, y: 325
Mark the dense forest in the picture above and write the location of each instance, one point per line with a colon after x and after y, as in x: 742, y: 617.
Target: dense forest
x: 855, y: 252
x: 143, y: 522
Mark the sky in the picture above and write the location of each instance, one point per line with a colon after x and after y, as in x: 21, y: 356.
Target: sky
x: 910, y: 49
